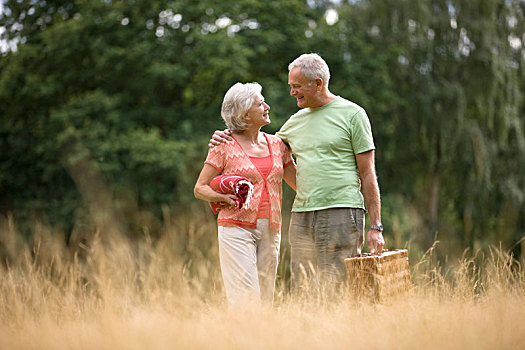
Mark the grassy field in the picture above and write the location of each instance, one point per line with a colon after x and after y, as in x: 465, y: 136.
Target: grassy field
x: 113, y: 293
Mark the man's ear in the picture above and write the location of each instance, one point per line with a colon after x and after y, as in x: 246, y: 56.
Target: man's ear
x: 319, y: 84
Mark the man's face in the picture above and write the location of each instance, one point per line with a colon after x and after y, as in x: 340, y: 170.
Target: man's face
x: 304, y: 91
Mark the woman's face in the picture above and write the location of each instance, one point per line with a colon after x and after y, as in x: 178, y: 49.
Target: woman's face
x: 258, y: 114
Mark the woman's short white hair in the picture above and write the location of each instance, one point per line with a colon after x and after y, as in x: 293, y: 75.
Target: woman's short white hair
x: 237, y: 102
x: 312, y: 66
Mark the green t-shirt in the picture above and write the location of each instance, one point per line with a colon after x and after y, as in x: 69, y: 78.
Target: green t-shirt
x: 325, y: 141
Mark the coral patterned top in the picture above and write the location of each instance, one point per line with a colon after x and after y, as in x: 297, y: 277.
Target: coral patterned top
x: 229, y: 158
x: 264, y: 165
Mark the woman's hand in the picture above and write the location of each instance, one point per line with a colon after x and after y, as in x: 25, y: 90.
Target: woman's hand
x: 229, y: 199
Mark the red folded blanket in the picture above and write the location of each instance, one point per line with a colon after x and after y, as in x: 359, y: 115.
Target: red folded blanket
x: 232, y: 184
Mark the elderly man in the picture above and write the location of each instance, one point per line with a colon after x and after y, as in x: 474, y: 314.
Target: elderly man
x: 332, y: 141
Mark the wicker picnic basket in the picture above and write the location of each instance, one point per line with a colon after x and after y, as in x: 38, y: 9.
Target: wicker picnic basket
x: 378, y: 277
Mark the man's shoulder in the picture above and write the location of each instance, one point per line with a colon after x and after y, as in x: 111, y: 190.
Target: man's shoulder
x: 296, y: 117
x: 290, y: 123
x: 341, y: 102
x: 298, y: 114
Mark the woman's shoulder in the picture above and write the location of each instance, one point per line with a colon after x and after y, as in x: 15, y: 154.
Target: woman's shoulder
x: 274, y: 139
x: 224, y: 146
x: 276, y: 142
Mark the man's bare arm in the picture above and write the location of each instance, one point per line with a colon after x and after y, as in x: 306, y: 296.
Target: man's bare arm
x: 367, y: 172
x: 289, y: 175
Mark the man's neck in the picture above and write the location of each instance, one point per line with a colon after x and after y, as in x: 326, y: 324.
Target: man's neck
x: 324, y: 99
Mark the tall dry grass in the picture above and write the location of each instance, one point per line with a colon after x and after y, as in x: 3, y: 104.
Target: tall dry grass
x: 107, y: 292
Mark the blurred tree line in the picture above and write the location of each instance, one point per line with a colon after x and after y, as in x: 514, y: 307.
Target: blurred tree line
x: 106, y: 107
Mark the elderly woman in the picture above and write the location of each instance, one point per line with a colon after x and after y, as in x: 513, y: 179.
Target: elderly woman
x: 250, y: 236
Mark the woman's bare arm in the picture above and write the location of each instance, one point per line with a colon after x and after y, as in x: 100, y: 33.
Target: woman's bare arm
x: 203, y: 190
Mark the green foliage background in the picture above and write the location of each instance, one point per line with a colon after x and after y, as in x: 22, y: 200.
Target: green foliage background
x: 106, y: 107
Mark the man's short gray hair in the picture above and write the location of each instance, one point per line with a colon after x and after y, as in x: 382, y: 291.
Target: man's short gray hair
x: 237, y: 102
x: 312, y: 66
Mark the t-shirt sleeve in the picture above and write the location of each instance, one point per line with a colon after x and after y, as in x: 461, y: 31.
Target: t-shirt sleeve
x: 282, y: 133
x: 361, y: 133
x: 215, y: 157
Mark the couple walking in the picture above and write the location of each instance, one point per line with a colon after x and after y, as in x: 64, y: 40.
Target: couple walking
x: 332, y: 142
